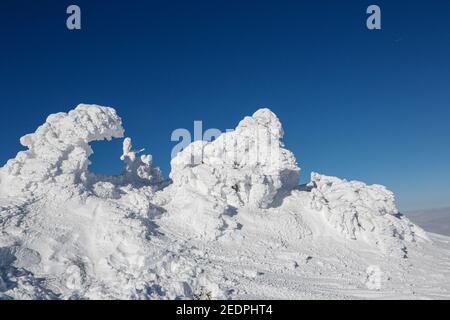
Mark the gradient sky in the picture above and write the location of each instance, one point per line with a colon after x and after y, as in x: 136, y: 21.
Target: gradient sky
x: 358, y: 104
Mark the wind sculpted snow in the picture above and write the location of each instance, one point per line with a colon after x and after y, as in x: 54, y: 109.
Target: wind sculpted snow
x: 231, y: 222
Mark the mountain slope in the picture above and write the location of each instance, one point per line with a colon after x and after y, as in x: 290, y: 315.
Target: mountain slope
x: 231, y: 222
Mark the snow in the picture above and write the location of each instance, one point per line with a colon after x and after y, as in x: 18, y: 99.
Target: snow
x: 246, y: 166
x: 58, y: 152
x: 138, y: 169
x: 231, y: 222
x: 361, y: 211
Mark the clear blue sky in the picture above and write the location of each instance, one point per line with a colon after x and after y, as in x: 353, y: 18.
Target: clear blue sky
x: 359, y: 104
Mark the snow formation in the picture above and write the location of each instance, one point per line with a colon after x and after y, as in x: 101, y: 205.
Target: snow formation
x: 244, y: 166
x: 357, y: 210
x: 231, y: 207
x: 58, y: 152
x: 247, y: 166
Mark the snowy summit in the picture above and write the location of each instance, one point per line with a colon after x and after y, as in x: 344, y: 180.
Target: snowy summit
x: 231, y: 221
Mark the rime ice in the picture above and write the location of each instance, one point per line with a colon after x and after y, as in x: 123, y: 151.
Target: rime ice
x: 246, y: 166
x: 231, y: 223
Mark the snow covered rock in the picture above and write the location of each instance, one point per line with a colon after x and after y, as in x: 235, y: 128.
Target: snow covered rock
x: 139, y: 170
x: 360, y: 211
x: 247, y: 166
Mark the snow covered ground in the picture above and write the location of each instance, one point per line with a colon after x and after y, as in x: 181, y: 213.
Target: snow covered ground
x: 232, y: 222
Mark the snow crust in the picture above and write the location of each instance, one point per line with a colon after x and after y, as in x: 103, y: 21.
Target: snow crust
x: 231, y: 207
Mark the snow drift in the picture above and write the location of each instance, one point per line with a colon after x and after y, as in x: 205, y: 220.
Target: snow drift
x: 69, y: 233
x: 357, y: 211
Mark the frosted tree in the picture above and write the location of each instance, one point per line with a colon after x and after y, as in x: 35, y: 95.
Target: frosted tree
x: 138, y: 170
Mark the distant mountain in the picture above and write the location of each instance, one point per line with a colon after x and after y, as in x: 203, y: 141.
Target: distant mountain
x: 433, y: 220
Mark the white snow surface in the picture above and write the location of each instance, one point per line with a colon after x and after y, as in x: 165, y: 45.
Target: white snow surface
x: 232, y: 222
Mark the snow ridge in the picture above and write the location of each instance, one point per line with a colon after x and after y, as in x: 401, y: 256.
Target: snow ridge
x: 246, y: 166
x: 68, y: 233
x: 357, y: 210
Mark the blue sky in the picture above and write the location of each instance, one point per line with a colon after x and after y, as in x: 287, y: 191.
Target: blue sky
x: 359, y: 104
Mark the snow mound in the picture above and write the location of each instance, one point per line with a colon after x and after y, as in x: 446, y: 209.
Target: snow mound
x: 138, y: 170
x: 244, y: 167
x: 247, y: 166
x: 358, y: 210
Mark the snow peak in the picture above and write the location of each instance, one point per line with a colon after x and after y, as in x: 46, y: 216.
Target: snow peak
x: 185, y: 310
